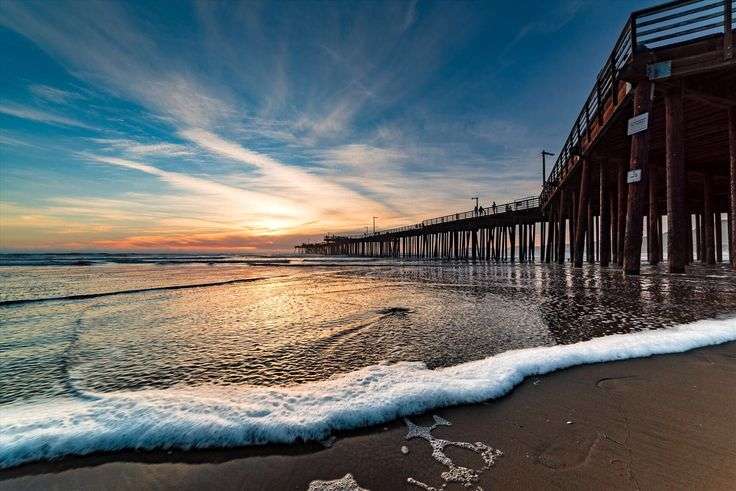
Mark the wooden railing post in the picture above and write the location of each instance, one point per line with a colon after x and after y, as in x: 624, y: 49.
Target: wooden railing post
x: 632, y: 34
x: 614, y: 83
x: 727, y: 29
x: 599, y: 100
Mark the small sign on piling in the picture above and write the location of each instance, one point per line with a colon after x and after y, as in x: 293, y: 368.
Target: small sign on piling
x: 663, y: 69
x: 633, y: 176
x: 638, y: 123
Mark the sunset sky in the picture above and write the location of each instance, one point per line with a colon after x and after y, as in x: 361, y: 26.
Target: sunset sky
x: 154, y: 126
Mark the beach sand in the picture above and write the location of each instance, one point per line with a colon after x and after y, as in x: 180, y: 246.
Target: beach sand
x: 665, y: 422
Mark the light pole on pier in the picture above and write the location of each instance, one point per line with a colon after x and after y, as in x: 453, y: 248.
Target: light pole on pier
x: 545, y: 153
x: 475, y: 198
x: 374, y: 225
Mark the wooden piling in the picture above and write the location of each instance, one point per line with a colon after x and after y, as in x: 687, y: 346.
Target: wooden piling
x: 698, y: 238
x: 590, y: 232
x: 709, y: 245
x: 571, y: 223
x: 732, y: 172
x: 542, y: 239
x: 719, y: 237
x: 639, y: 160
x: 729, y: 233
x: 678, y: 221
x: 582, y: 212
x: 653, y: 220
x: 549, y: 239
x: 621, y: 201
x: 561, y: 230
x: 604, y: 218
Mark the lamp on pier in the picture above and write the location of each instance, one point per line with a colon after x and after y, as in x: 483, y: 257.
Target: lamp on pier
x: 545, y: 153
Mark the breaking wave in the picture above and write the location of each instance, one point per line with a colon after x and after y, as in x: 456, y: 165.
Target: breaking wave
x: 216, y: 416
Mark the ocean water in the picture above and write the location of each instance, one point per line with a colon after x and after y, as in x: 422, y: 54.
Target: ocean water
x: 106, y: 352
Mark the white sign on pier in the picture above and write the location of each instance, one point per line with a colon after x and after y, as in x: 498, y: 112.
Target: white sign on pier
x: 633, y: 176
x: 638, y: 123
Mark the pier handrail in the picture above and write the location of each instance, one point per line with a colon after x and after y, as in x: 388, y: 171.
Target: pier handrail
x: 663, y: 25
x: 525, y: 203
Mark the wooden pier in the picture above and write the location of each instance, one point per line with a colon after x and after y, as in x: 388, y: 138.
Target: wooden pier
x: 495, y: 233
x: 652, y: 149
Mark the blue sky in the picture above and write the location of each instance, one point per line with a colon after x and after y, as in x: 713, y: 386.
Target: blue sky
x: 252, y: 126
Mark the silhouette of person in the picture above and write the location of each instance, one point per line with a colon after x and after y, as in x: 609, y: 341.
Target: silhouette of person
x: 494, y: 207
x: 480, y: 210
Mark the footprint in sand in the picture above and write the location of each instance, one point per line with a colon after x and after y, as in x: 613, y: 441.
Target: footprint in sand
x: 345, y: 483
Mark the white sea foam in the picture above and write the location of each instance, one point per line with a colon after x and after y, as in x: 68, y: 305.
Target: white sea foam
x: 196, y: 417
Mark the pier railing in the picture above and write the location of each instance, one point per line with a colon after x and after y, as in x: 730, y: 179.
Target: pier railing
x: 526, y: 203
x: 660, y: 26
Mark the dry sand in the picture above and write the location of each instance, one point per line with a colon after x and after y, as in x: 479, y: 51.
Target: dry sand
x: 666, y: 422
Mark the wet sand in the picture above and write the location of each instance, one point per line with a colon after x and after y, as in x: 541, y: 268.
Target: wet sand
x: 665, y: 422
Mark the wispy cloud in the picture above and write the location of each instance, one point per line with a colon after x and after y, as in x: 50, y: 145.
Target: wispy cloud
x: 289, y: 204
x: 136, y: 148
x: 7, y: 140
x: 218, y: 145
x: 123, y: 58
x: 410, y: 16
x: 553, y: 20
x: 53, y: 94
x: 362, y: 157
x: 313, y: 191
x: 249, y: 202
x: 31, y: 114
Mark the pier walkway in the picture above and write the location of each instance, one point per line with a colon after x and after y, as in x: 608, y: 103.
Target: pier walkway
x: 652, y: 152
